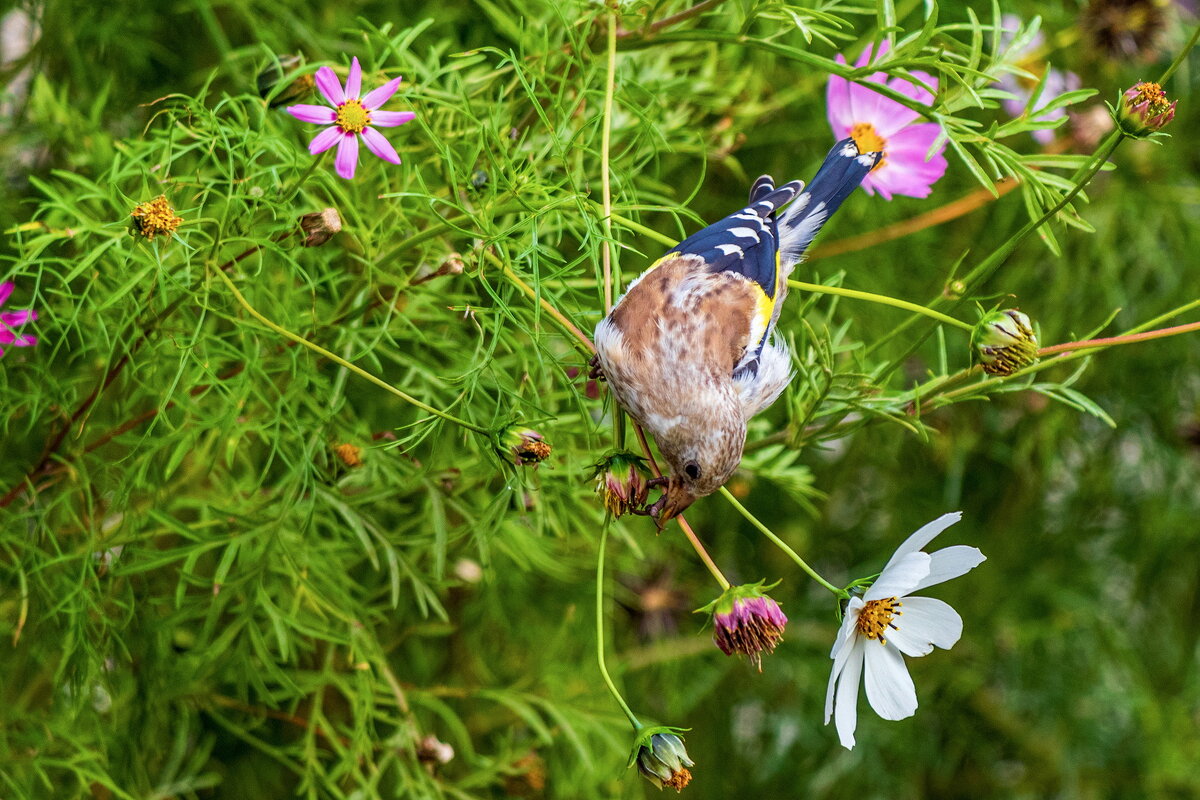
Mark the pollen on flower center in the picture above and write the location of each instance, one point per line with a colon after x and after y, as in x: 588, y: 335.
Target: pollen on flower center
x: 876, y: 617
x: 869, y: 141
x: 352, y: 117
x: 1153, y: 94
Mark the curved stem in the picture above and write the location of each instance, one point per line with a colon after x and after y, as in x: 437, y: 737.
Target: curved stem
x: 357, y: 370
x: 557, y: 315
x: 882, y: 299
x: 782, y: 545
x: 608, y: 681
x: 291, y: 191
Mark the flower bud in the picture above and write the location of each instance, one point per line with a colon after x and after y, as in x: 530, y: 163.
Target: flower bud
x: 271, y: 78
x: 747, y: 621
x: 154, y: 218
x: 524, y: 446
x: 1145, y: 109
x: 621, y: 482
x: 661, y: 757
x: 1003, y: 342
x: 320, y: 226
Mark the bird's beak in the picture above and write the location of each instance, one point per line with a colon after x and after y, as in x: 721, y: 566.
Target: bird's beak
x: 676, y: 500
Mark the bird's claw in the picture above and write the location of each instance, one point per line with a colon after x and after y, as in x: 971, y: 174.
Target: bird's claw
x: 596, y: 372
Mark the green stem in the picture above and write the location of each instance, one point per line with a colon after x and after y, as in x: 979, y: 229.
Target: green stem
x: 1112, y: 341
x: 441, y: 227
x: 357, y: 370
x: 1178, y: 62
x: 608, y: 681
x: 882, y: 299
x: 782, y: 545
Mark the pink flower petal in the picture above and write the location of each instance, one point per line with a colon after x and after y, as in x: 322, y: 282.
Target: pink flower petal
x: 325, y: 140
x: 13, y: 319
x: 347, y: 156
x: 378, y: 144
x: 906, y: 171
x: 321, y: 115
x: 330, y: 86
x: 354, y: 80
x: 379, y: 96
x: 837, y: 104
x: 6, y: 289
x: 390, y: 119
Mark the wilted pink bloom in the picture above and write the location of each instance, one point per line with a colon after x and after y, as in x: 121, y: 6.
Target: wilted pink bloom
x: 878, y: 123
x: 1057, y: 81
x: 10, y: 320
x: 351, y: 117
x: 747, y: 621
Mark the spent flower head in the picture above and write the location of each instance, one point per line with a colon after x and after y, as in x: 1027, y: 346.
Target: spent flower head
x: 320, y: 226
x: 11, y: 320
x: 661, y: 757
x: 523, y: 446
x: 155, y: 218
x: 879, y: 124
x: 1145, y: 109
x: 873, y: 639
x: 352, y: 116
x: 747, y: 621
x: 1004, y: 342
x: 621, y: 482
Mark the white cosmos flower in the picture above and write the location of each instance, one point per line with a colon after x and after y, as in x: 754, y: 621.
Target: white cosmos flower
x: 886, y: 624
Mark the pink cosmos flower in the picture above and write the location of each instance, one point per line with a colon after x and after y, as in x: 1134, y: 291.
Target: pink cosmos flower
x: 351, y: 117
x: 1057, y: 81
x: 13, y: 319
x: 878, y: 123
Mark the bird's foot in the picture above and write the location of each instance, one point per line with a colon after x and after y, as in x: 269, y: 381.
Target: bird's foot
x: 597, y: 372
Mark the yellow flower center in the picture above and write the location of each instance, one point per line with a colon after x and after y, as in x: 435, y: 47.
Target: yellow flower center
x: 876, y: 617
x: 1153, y: 94
x: 869, y: 141
x: 155, y: 218
x: 352, y: 117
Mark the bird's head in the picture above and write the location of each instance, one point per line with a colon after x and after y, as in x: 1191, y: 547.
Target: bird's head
x: 702, y: 456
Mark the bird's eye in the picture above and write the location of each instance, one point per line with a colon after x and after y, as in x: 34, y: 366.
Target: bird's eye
x: 693, y: 470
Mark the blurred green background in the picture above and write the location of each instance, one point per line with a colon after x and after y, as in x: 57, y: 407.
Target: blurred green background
x: 1077, y: 673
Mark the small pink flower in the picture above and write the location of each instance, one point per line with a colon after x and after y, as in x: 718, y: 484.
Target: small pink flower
x: 878, y: 123
x: 1057, y: 81
x: 13, y: 319
x: 352, y: 116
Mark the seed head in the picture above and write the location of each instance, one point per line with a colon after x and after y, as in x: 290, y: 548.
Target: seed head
x: 1003, y: 342
x: 350, y: 455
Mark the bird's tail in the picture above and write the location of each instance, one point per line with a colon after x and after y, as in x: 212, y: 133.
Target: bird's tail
x: 843, y: 170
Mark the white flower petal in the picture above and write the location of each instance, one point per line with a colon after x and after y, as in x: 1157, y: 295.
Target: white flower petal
x: 951, y: 562
x: 840, y: 655
x: 929, y: 620
x: 899, y: 577
x: 906, y: 640
x: 890, y: 689
x: 846, y: 712
x: 848, y: 622
x: 924, y: 536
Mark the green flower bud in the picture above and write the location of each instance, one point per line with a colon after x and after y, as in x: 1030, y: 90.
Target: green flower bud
x: 661, y: 757
x: 1003, y: 342
x: 621, y: 482
x: 1145, y: 109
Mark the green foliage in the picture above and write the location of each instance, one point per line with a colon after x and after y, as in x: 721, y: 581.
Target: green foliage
x: 204, y: 599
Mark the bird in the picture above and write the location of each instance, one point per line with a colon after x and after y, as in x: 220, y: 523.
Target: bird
x: 689, y: 349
